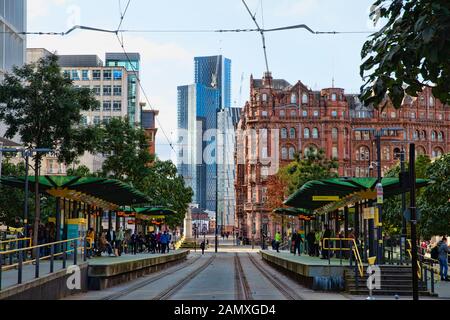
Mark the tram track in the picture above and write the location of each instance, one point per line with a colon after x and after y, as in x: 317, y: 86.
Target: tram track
x: 280, y: 285
x: 140, y: 285
x: 242, y: 288
x: 172, y: 290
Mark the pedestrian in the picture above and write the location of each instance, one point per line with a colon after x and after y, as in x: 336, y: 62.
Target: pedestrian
x: 158, y: 242
x: 111, y: 237
x: 105, y: 245
x: 119, y: 241
x: 294, y: 240
x: 278, y: 241
x: 311, y: 240
x: 164, y: 240
x: 298, y: 244
x: 443, y: 259
x: 203, y: 246
x: 90, y: 239
x: 326, y: 235
x: 134, y: 243
x: 169, y: 241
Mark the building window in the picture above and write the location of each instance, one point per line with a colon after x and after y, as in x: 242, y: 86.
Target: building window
x: 106, y: 105
x: 393, y: 114
x: 433, y: 136
x: 284, y: 133
x: 306, y: 133
x: 315, y: 133
x: 333, y: 97
x: 264, y: 114
x: 334, y: 114
x: 264, y: 173
x: 294, y: 98
x: 366, y: 135
x: 96, y: 75
x: 96, y: 120
x: 431, y: 102
x: 291, y: 153
x: 282, y: 114
x: 117, y: 91
x: 97, y: 90
x: 84, y: 120
x: 106, y: 120
x: 292, y: 133
x: 293, y: 114
x: 316, y: 113
x: 334, y: 134
x: 118, y: 74
x: 423, y: 135
x: 440, y: 136
x: 310, y: 150
x: 264, y: 97
x: 284, y: 153
x: 413, y: 115
x: 305, y: 98
x: 75, y: 75
x: 437, y: 153
x: 386, y: 154
x: 107, y: 75
x: 334, y: 153
x: 305, y: 113
x: 107, y: 90
x: 85, y: 75
x: 363, y: 154
x: 357, y: 135
x: 66, y: 74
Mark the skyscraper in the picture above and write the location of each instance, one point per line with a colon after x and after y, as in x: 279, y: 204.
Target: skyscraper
x: 12, y: 44
x: 131, y: 62
x: 198, y: 108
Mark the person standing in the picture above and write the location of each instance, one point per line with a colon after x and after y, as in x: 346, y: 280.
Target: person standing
x: 298, y: 244
x: 294, y: 240
x: 119, y: 241
x: 202, y: 246
x: 111, y: 237
x: 326, y: 235
x: 169, y: 241
x: 311, y: 239
x: 443, y: 259
x: 163, y: 240
x: 277, y: 241
x: 90, y: 239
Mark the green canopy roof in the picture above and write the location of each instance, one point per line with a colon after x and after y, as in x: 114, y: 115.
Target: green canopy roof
x: 108, y: 190
x: 343, y: 188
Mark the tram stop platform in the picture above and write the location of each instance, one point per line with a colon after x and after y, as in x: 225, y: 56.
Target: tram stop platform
x: 96, y: 274
x: 312, y: 272
x: 106, y: 272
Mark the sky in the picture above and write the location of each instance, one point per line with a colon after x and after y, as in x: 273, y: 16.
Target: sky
x: 168, y: 58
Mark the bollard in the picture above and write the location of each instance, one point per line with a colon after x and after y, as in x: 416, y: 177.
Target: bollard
x: 38, y: 257
x: 52, y: 258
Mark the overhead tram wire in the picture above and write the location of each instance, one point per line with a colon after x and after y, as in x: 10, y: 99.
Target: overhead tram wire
x: 122, y: 45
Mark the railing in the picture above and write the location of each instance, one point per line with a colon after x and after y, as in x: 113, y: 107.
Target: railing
x: 353, y: 249
x: 19, y: 242
x: 419, y: 266
x: 17, y: 258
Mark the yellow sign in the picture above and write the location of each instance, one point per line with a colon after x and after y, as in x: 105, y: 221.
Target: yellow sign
x: 369, y: 213
x: 77, y: 221
x: 325, y: 198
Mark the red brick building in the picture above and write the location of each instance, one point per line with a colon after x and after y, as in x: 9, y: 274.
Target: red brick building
x: 326, y: 119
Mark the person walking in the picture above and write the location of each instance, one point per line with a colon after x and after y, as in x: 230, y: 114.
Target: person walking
x: 119, y: 241
x: 294, y: 240
x: 164, y: 240
x: 277, y: 241
x: 443, y: 259
x: 203, y: 246
x: 169, y: 241
x: 326, y: 235
x: 298, y: 244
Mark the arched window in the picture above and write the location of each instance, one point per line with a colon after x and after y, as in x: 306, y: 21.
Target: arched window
x: 437, y: 152
x: 386, y: 153
x: 282, y: 113
x: 294, y: 98
x: 293, y: 114
x: 421, y: 151
x: 264, y: 97
x: 333, y: 97
x: 334, y: 153
x: 358, y: 135
x: 397, y: 153
x: 441, y: 136
x: 305, y: 98
x: 433, y: 136
x: 284, y: 133
x: 363, y: 154
x: 423, y: 135
x: 284, y: 153
x: 292, y: 133
x: 310, y: 150
x: 315, y: 133
x: 291, y: 153
x: 306, y: 133
x: 431, y: 102
x: 416, y: 135
x: 334, y: 134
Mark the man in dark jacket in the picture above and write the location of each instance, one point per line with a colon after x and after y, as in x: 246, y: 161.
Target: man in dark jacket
x: 443, y: 259
x: 326, y: 235
x: 311, y: 239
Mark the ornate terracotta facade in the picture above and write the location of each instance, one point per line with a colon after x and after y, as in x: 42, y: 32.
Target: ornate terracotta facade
x: 326, y: 119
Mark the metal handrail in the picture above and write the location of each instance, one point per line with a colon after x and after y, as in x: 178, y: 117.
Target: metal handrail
x: 40, y: 246
x: 354, y: 249
x: 6, y: 242
x: 419, y: 266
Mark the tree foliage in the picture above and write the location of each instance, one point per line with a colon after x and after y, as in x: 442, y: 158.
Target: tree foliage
x: 44, y: 108
x: 411, y: 50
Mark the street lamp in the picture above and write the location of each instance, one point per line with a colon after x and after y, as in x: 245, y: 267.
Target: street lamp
x: 379, y: 133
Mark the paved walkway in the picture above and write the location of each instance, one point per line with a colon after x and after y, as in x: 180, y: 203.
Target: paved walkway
x: 307, y: 260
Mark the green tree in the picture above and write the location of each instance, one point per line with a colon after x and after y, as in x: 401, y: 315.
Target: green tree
x: 44, y: 108
x: 411, y: 50
x: 392, y: 208
x: 167, y: 189
x: 127, y: 152
x: 311, y: 166
x: 434, y: 202
x: 80, y: 171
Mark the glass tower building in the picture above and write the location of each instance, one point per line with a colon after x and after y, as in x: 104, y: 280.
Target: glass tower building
x: 12, y: 44
x: 198, y: 108
x: 131, y: 62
